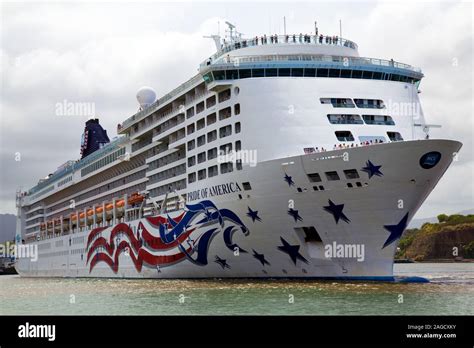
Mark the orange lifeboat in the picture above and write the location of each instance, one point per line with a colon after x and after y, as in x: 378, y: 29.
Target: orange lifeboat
x: 135, y: 198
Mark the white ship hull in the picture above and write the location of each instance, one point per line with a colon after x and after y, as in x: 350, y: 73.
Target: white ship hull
x: 270, y: 242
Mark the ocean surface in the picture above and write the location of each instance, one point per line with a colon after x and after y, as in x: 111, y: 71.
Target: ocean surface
x: 450, y: 292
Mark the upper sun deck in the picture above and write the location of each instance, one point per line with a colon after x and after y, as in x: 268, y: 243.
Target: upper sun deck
x: 284, y: 45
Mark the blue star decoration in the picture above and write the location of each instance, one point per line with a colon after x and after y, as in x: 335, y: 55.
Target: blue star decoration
x: 289, y: 180
x: 295, y: 214
x: 253, y: 215
x: 396, y: 231
x: 292, y: 251
x: 372, y: 169
x: 336, y: 211
x: 260, y: 257
x: 223, y: 263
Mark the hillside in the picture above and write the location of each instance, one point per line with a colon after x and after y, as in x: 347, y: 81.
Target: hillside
x: 451, y: 238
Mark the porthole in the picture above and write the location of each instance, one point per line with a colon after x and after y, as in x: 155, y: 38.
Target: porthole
x: 430, y: 159
x: 236, y: 90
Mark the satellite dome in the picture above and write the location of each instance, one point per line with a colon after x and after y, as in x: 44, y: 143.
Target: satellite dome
x: 146, y: 96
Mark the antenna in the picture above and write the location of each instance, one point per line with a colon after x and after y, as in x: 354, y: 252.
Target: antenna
x: 340, y: 29
x: 284, y: 25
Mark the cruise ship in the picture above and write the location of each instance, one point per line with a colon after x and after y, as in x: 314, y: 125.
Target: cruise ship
x: 285, y: 156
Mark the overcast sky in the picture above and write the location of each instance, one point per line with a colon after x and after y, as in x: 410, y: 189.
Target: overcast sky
x: 102, y: 52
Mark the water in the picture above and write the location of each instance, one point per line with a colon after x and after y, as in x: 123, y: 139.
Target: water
x: 451, y: 292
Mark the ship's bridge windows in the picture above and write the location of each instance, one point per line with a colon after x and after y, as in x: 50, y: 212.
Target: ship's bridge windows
x: 309, y: 72
x: 332, y: 176
x: 245, y: 73
x: 202, y: 174
x: 201, y: 124
x: 212, y: 171
x: 322, y: 73
x: 346, y: 73
x: 338, y: 102
x: 284, y: 72
x: 225, y: 113
x: 369, y: 103
x: 314, y: 177
x: 378, y: 120
x: 297, y: 72
x: 271, y: 72
x: 232, y: 74
x: 394, y: 136
x: 344, y: 119
x: 334, y: 72
x: 225, y: 131
x: 191, y: 177
x: 258, y: 72
x: 351, y: 174
x: 219, y: 75
x: 344, y: 136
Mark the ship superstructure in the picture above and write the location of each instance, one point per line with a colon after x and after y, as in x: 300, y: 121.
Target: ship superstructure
x: 280, y: 146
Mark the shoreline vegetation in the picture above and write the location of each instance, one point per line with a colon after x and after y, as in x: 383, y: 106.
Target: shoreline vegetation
x: 451, y: 239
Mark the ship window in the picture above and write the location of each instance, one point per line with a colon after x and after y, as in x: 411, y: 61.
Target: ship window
x: 224, y: 113
x: 372, y: 139
x: 332, y: 176
x: 211, y: 136
x: 238, y: 145
x: 224, y: 95
x: 211, y: 101
x: 349, y: 185
x: 191, y: 161
x: 345, y: 73
x: 212, y: 153
x: 190, y: 112
x: 202, y: 174
x: 212, y: 171
x: 367, y: 75
x: 271, y: 72
x: 200, y: 107
x: 191, y: 128
x: 191, y: 144
x: 378, y: 120
x: 334, y: 72
x: 237, y: 127
x: 377, y: 75
x: 322, y: 73
x: 344, y: 136
x: 201, y: 140
x: 219, y: 75
x: 297, y: 72
x: 211, y: 119
x: 395, y: 136
x: 245, y: 73
x: 358, y: 184
x: 227, y: 167
x: 344, y: 119
x: 201, y: 124
x: 356, y: 74
x: 246, y: 186
x: 351, y: 174
x: 208, y: 77
x: 369, y: 103
x: 237, y: 109
x: 309, y: 72
x: 314, y: 177
x: 310, y: 234
x: 283, y: 72
x: 258, y: 72
x: 321, y: 188
x: 225, y: 131
x: 338, y: 102
x: 201, y: 157
x: 232, y: 74
x: 225, y: 149
x: 238, y: 164
x: 191, y: 177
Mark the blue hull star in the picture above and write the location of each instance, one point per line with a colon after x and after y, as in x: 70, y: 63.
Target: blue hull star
x: 292, y: 251
x: 396, y: 231
x: 372, y: 169
x: 336, y: 211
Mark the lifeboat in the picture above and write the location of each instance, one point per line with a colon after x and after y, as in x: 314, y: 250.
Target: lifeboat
x: 135, y: 198
x: 43, y: 226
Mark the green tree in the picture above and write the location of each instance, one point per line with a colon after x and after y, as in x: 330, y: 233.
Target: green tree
x: 442, y: 218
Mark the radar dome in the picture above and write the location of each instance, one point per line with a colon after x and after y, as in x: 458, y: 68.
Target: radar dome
x: 146, y: 96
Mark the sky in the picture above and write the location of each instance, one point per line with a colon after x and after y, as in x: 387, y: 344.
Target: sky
x: 102, y: 52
